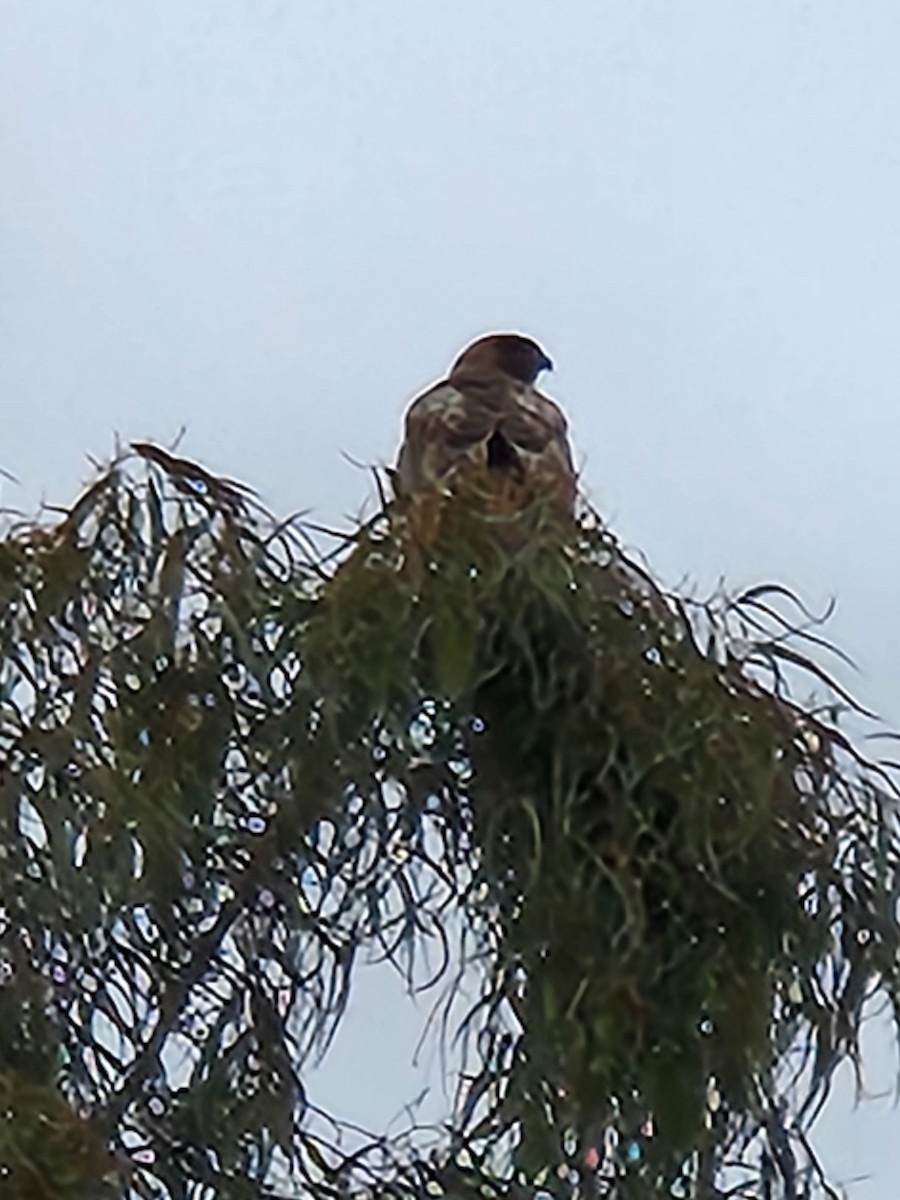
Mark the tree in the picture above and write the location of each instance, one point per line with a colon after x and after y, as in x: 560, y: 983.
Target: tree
x: 231, y: 762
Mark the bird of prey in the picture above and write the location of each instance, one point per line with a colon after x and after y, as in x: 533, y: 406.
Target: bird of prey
x: 488, y: 422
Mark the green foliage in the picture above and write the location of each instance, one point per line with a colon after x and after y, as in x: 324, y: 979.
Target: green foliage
x: 230, y: 764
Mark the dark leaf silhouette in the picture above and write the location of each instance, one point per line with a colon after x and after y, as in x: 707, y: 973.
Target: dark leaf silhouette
x: 233, y: 763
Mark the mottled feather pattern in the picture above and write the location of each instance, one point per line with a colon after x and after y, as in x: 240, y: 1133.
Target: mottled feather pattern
x: 488, y: 404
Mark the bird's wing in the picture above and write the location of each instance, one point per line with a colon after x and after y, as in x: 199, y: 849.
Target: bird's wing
x: 442, y: 426
x: 535, y: 424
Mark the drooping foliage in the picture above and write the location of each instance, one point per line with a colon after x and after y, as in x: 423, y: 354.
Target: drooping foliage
x: 232, y: 764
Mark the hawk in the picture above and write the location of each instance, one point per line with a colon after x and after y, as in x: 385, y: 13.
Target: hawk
x: 488, y: 421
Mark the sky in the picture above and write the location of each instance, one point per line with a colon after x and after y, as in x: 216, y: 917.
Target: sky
x: 273, y: 222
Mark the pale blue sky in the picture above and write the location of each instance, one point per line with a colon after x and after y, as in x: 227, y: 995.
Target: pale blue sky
x: 275, y: 220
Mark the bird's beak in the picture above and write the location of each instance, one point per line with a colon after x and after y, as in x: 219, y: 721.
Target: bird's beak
x: 545, y: 364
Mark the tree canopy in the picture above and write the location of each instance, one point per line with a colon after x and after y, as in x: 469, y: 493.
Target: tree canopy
x: 234, y: 762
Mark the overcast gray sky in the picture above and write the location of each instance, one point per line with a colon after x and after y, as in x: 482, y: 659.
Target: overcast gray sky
x: 274, y: 221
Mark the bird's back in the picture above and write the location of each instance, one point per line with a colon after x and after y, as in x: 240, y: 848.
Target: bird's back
x: 483, y: 421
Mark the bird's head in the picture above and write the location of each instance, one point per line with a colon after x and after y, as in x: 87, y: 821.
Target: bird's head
x: 511, y: 353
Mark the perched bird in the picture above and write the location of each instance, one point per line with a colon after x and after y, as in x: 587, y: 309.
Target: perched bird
x: 487, y: 421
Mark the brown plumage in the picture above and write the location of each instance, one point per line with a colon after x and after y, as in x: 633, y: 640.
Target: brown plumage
x: 488, y: 422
